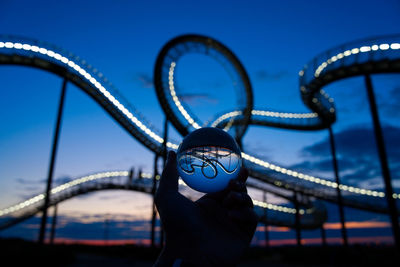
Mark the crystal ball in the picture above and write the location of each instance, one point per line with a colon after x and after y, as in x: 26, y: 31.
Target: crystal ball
x: 208, y: 158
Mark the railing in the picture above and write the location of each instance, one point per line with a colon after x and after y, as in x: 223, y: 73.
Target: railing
x: 357, y: 52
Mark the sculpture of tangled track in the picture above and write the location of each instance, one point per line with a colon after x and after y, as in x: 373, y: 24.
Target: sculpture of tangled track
x: 123, y: 180
x: 378, y: 55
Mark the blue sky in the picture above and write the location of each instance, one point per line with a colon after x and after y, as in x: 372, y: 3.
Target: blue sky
x: 273, y: 40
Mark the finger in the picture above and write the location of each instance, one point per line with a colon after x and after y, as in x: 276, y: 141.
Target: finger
x: 243, y: 175
x: 169, y: 176
x: 237, y: 200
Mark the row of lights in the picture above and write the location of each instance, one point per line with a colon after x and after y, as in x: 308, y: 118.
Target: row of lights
x: 160, y: 140
x: 225, y: 116
x: 176, y: 99
x: 354, y: 51
x: 92, y: 80
x: 88, y: 178
x: 178, y: 104
x: 315, y: 100
x: 265, y: 113
x: 339, y: 56
x: 285, y: 115
x: 276, y: 207
x: 314, y: 179
x: 258, y: 203
x: 60, y: 188
x: 103, y: 175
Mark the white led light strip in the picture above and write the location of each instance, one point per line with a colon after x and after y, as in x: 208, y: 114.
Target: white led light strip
x: 103, y: 175
x: 60, y: 188
x: 314, y: 179
x: 228, y: 115
x: 354, y: 51
x: 258, y: 203
x: 276, y: 207
x: 139, y: 124
x: 265, y: 113
x: 92, y: 80
x: 284, y: 114
x: 175, y: 98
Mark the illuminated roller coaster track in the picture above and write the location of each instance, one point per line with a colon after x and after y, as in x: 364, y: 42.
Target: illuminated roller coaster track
x: 121, y: 180
x: 369, y: 56
x: 22, y: 51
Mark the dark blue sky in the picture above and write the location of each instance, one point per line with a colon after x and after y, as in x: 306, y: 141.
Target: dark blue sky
x: 273, y: 39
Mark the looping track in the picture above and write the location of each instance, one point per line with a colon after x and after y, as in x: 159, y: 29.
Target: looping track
x: 376, y: 55
x: 167, y: 90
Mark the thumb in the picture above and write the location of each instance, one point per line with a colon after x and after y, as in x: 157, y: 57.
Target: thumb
x: 169, y: 176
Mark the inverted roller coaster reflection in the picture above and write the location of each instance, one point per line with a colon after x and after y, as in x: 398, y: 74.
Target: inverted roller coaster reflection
x: 211, y: 161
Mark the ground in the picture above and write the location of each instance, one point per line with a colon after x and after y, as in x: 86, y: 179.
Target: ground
x: 17, y: 252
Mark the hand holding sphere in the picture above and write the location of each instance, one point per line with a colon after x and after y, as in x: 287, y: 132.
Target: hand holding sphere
x: 212, y: 231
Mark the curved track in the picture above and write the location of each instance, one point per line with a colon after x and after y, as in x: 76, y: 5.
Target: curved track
x: 168, y: 92
x: 120, y: 180
x: 21, y: 51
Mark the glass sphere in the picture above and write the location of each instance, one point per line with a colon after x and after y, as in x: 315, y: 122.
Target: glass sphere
x: 208, y: 158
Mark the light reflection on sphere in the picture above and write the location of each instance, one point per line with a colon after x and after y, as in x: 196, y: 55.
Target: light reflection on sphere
x: 208, y: 158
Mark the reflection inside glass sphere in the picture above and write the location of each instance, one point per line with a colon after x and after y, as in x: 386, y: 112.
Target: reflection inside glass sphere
x: 218, y: 165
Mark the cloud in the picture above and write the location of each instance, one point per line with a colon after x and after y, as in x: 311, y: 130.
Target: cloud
x: 357, y: 155
x: 145, y: 80
x: 197, y: 99
x: 358, y: 141
x: 21, y: 181
x: 390, y: 105
x: 357, y: 225
x: 28, y: 188
x: 62, y: 180
x: 56, y: 181
x: 259, y: 149
x: 28, y: 181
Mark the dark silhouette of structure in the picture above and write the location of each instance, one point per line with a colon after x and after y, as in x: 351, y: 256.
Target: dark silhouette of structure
x: 363, y: 57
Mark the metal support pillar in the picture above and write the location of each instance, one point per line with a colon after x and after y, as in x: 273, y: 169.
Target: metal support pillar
x: 106, y: 229
x: 266, y: 225
x: 130, y: 176
x: 53, y: 225
x: 339, y: 193
x: 297, y: 219
x: 154, y: 211
x: 391, y: 202
x: 52, y: 163
x: 323, y: 235
x: 164, y: 162
x: 165, y: 138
